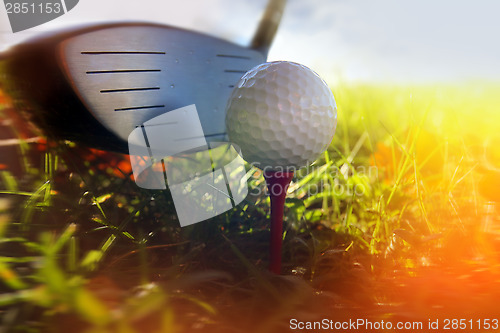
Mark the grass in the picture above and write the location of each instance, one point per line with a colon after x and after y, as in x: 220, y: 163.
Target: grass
x: 397, y: 221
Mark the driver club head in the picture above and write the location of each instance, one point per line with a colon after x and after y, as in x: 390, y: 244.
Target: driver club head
x: 95, y: 85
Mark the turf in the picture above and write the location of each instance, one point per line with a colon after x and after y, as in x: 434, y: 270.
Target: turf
x: 396, y: 222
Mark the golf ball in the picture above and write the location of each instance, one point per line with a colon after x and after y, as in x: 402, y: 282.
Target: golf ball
x: 282, y: 115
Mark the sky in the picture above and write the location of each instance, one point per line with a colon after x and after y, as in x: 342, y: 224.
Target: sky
x: 394, y: 41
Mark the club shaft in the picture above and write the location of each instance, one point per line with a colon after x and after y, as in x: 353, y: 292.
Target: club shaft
x: 268, y: 26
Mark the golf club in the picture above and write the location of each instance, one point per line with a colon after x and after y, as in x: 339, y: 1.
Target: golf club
x: 96, y: 84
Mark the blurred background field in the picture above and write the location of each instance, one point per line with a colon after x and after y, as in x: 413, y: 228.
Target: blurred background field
x: 397, y: 221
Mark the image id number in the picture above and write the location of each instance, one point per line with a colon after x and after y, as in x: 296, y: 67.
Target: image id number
x: 479, y: 324
x: 31, y: 8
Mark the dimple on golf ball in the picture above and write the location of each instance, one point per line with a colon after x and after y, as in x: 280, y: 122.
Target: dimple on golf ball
x: 282, y: 115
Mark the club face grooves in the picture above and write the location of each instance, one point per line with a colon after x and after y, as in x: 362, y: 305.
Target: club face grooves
x: 128, y: 86
x: 233, y: 56
x: 109, y: 91
x: 124, y: 71
x: 122, y: 52
x: 136, y: 108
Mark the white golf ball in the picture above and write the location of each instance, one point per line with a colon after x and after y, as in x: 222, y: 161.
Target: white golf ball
x: 282, y: 115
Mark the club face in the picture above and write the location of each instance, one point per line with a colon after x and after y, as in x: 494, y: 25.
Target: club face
x: 126, y: 75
